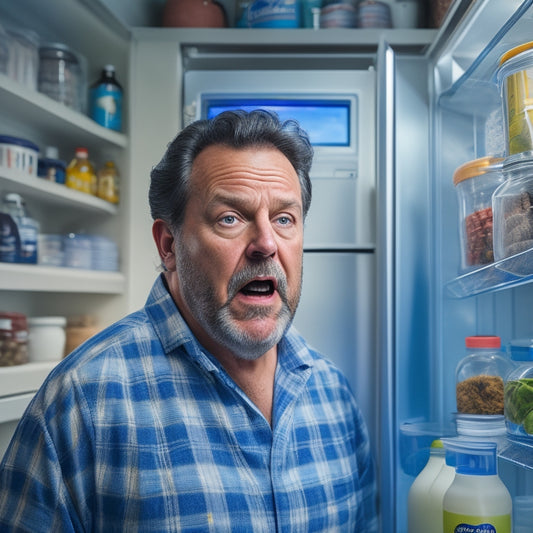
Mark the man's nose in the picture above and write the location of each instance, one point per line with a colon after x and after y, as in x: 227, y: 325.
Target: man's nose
x: 262, y: 241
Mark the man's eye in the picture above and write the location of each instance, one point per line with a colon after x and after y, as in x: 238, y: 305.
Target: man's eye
x: 229, y: 220
x: 284, y: 221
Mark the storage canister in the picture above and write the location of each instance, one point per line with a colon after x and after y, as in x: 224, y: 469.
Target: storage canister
x: 475, y: 182
x: 13, y: 338
x: 61, y: 75
x: 519, y: 391
x: 47, y: 338
x: 480, y: 375
x: 513, y: 213
x: 515, y: 79
x: 18, y: 154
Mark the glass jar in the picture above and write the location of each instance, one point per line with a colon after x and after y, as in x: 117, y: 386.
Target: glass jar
x: 519, y: 391
x: 513, y: 207
x: 515, y: 79
x: 61, y: 75
x: 475, y: 182
x: 480, y: 375
x: 13, y: 339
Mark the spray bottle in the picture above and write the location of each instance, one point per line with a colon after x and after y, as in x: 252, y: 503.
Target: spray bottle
x: 477, y: 499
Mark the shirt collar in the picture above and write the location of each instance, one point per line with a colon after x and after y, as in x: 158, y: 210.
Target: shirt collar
x: 173, y: 332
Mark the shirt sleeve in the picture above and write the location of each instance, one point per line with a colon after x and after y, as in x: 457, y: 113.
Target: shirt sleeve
x: 45, y: 480
x: 367, y: 480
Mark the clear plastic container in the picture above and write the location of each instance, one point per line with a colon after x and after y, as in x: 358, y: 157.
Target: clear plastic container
x: 513, y: 210
x: 481, y: 428
x: 480, y: 376
x: 519, y: 391
x: 475, y: 182
x: 515, y: 78
x: 61, y: 75
x: 23, y: 56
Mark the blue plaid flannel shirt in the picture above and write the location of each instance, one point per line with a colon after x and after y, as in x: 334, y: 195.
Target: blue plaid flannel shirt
x: 141, y: 430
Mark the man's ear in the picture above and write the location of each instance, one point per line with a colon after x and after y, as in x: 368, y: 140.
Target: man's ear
x: 164, y: 241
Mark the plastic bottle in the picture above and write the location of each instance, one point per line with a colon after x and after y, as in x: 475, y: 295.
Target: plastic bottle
x: 106, y: 100
x: 424, y: 507
x: 109, y: 183
x: 477, y: 499
x: 80, y: 174
x: 18, y: 231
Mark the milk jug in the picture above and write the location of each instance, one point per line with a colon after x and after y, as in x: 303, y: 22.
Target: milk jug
x: 477, y: 499
x: 424, y: 501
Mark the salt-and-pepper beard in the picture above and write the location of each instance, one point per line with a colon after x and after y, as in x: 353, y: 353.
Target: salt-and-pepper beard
x: 218, y: 322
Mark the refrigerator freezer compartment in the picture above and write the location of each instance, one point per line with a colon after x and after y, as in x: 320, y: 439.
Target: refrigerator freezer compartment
x: 509, y: 272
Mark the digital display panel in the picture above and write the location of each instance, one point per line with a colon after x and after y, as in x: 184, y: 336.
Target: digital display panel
x: 327, y: 122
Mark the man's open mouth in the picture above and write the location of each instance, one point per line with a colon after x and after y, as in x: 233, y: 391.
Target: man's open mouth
x: 259, y: 288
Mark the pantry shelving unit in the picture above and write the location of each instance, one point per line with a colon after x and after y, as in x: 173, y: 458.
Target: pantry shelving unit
x: 37, y: 290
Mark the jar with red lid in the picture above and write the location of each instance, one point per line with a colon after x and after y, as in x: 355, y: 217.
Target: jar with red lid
x: 13, y: 339
x: 480, y: 376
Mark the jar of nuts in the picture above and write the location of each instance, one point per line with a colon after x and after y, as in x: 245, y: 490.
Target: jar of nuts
x: 13, y: 339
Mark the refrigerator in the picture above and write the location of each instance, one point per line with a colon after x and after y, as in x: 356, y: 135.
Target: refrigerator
x: 436, y: 113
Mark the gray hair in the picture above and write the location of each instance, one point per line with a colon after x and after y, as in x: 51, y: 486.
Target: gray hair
x: 169, y: 185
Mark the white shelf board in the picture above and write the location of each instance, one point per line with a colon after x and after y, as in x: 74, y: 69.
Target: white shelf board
x: 22, y: 379
x: 52, y: 193
x: 56, y: 119
x: 22, y: 277
x: 13, y: 407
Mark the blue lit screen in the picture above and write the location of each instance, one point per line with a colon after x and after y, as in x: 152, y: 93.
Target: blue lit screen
x: 327, y: 122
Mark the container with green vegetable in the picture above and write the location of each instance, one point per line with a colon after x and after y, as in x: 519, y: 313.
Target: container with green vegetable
x: 518, y: 396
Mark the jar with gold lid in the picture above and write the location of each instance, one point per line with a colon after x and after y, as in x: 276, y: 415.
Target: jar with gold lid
x: 475, y: 182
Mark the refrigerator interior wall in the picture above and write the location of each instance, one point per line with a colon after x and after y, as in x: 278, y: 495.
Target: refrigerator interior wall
x: 465, y: 115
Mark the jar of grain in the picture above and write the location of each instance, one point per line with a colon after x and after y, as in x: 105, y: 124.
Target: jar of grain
x: 480, y: 376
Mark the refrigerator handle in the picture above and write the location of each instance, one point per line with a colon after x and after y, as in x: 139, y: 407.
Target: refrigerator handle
x: 385, y: 256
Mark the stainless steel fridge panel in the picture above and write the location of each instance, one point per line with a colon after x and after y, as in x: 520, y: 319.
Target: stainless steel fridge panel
x: 336, y: 316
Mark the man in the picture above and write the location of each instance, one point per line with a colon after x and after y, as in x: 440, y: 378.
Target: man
x: 203, y: 411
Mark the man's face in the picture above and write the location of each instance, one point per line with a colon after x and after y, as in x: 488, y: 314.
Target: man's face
x: 239, y: 251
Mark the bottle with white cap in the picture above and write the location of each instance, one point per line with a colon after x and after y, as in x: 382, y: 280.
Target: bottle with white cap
x: 477, y: 499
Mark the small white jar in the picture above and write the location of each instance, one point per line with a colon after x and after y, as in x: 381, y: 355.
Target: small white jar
x: 47, y: 338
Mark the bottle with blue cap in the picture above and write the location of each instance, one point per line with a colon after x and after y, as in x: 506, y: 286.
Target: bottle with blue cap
x: 477, y: 500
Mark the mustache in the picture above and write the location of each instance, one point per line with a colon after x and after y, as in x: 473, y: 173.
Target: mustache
x: 269, y: 269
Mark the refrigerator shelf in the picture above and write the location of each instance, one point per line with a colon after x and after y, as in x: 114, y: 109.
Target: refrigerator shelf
x: 518, y: 453
x: 509, y: 272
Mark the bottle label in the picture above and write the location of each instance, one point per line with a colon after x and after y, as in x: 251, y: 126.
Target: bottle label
x: 460, y: 523
x: 106, y: 106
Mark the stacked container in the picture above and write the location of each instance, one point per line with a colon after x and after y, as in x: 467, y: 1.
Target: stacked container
x: 475, y: 182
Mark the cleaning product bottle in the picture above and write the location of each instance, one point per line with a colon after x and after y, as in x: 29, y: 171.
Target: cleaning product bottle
x: 419, y: 499
x: 477, y: 499
x: 106, y: 100
x: 80, y: 173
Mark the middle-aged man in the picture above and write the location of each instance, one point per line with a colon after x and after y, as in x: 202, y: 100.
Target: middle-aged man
x: 203, y: 411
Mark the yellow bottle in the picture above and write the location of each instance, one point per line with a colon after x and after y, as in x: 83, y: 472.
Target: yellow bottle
x: 108, y: 183
x: 80, y: 174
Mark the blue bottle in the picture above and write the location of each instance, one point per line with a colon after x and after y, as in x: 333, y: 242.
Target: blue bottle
x: 106, y: 100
